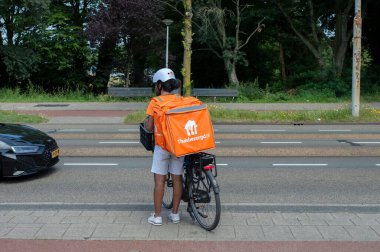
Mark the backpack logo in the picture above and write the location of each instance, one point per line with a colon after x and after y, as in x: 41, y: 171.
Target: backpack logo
x: 191, y: 128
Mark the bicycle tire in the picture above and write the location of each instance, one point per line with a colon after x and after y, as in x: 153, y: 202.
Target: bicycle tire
x: 206, y: 208
x: 167, y: 200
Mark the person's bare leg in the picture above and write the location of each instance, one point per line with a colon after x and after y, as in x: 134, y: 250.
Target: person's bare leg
x: 177, y: 192
x: 159, y: 185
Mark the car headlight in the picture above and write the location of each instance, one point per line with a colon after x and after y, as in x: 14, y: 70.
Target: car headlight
x: 4, y: 146
x: 24, y: 149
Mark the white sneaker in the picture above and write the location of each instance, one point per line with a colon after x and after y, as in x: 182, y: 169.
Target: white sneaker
x: 174, y: 217
x: 157, y: 221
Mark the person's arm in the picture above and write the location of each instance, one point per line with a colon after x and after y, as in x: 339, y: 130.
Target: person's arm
x: 149, y: 123
x: 149, y: 120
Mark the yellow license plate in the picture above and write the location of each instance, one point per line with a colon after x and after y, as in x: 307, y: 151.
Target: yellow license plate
x: 55, y: 153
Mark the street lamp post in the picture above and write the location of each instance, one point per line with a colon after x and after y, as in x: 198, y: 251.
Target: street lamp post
x: 167, y: 22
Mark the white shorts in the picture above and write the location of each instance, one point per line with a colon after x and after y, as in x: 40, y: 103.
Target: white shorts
x: 164, y: 162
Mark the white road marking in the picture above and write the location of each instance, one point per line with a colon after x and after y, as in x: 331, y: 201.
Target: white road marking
x: 72, y: 130
x: 281, y: 142
x: 366, y: 142
x: 221, y: 164
x: 377, y: 164
x: 91, y: 164
x: 217, y: 142
x: 335, y: 130
x: 300, y: 164
x: 216, y: 129
x: 258, y: 130
x: 118, y: 142
x: 128, y: 130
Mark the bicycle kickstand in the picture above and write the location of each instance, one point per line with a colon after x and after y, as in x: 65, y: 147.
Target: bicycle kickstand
x: 190, y: 211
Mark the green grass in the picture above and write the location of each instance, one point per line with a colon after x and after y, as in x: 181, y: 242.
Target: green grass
x: 12, y: 117
x: 220, y: 115
x: 35, y: 94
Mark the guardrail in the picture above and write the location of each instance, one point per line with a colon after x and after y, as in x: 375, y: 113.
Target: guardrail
x: 147, y: 91
x: 130, y: 92
x: 215, y: 92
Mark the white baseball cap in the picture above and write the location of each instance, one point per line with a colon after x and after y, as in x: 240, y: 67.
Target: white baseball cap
x: 163, y: 75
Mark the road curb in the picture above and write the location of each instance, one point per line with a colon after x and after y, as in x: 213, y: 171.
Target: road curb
x: 229, y: 207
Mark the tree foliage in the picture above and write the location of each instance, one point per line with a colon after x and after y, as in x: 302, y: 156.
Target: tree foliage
x: 306, y: 44
x: 221, y: 30
x: 19, y: 19
x: 132, y: 24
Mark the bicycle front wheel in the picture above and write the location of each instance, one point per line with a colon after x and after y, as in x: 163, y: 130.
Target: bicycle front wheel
x: 205, y: 200
x: 167, y: 200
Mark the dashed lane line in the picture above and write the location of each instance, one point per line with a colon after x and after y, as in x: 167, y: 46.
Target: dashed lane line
x: 72, y: 130
x: 259, y: 130
x: 366, y: 142
x: 281, y: 142
x: 299, y: 164
x: 91, y: 164
x: 118, y: 142
x: 334, y: 130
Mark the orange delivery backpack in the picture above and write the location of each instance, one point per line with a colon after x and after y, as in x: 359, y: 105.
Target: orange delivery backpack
x: 183, y: 125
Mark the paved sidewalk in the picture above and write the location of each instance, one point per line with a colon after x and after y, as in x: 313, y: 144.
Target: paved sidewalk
x: 234, y: 226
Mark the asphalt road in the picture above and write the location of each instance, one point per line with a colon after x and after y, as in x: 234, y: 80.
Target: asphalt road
x: 249, y: 180
x: 244, y: 181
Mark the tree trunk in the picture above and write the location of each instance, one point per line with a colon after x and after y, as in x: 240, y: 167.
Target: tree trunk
x: 315, y: 48
x: 342, y: 35
x: 231, y: 72
x: 188, y: 39
x: 105, y: 61
x: 78, y: 18
x: 282, y: 64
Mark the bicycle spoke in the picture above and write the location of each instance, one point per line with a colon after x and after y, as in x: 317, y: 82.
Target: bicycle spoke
x: 205, y: 202
x: 167, y: 200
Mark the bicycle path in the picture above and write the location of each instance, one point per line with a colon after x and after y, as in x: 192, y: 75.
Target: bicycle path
x: 114, y: 112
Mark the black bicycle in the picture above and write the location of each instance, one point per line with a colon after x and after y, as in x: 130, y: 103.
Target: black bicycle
x: 200, y: 190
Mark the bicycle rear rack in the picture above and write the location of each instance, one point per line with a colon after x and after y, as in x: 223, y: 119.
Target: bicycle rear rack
x: 200, y: 160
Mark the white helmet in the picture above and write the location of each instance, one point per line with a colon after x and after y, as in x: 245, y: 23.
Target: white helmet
x: 163, y: 75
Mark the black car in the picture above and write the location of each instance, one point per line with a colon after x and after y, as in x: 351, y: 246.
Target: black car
x: 25, y: 150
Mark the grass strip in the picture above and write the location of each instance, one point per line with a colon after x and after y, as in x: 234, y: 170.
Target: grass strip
x: 12, y: 117
x: 221, y: 115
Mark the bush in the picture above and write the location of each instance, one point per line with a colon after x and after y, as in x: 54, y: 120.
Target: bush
x: 250, y: 91
x: 320, y: 81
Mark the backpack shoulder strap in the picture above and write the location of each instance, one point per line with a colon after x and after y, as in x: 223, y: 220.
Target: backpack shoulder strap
x: 161, y: 103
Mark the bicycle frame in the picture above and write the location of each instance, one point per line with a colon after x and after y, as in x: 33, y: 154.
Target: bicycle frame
x: 197, y: 161
x: 200, y: 189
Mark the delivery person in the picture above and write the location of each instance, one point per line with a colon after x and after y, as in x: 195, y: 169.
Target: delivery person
x: 164, y: 162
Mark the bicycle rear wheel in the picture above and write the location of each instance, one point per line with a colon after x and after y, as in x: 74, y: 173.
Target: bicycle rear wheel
x: 167, y: 200
x: 204, y: 199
